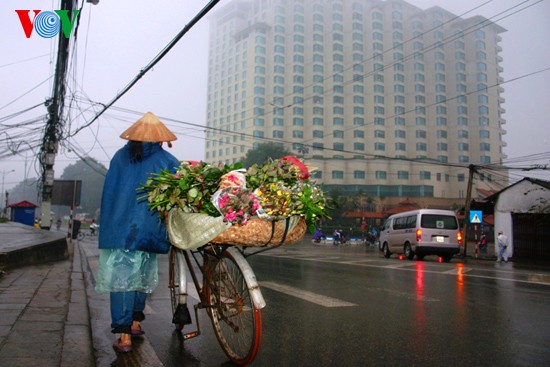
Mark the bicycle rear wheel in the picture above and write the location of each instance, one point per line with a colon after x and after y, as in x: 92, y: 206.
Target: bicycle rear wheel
x: 237, y: 322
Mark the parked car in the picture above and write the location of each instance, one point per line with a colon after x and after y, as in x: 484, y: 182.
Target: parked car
x: 422, y: 232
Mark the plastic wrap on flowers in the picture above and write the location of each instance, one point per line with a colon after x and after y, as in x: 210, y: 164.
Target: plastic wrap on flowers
x: 263, y: 232
x: 192, y: 230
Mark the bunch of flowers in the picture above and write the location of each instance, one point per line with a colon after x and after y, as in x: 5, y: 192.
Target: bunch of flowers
x: 236, y: 204
x: 276, y: 189
x: 284, y: 189
x: 191, y: 188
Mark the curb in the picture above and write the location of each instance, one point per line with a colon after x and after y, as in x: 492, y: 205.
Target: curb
x: 77, y: 339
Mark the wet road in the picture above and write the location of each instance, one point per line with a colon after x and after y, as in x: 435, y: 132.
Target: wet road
x: 349, y: 306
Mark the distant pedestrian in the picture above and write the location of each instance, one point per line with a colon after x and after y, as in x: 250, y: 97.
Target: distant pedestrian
x: 483, y: 244
x: 131, y: 235
x: 502, y: 243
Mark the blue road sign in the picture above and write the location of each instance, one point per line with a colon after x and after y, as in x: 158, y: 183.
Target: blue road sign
x: 476, y: 216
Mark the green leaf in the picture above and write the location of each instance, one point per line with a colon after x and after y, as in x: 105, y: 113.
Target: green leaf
x: 193, y: 193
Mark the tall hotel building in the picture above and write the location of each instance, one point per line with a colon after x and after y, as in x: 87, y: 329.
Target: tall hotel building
x: 382, y: 97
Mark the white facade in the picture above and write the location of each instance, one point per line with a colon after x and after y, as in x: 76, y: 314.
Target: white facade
x: 525, y: 196
x: 386, y: 98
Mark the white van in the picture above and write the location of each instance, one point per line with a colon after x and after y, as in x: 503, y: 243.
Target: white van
x: 422, y: 232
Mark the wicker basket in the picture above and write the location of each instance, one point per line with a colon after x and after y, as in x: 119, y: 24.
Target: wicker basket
x: 261, y: 232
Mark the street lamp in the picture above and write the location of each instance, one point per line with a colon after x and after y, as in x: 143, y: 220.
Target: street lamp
x: 3, y: 198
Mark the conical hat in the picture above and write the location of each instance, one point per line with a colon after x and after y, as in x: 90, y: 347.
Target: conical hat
x: 148, y: 128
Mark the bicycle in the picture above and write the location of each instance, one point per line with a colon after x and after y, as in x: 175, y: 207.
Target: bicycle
x: 229, y: 292
x: 89, y: 233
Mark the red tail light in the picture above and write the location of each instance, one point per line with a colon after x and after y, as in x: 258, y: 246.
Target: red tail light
x: 418, y: 235
x: 459, y: 237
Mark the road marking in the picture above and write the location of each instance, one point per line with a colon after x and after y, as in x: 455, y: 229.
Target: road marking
x: 458, y: 271
x: 539, y: 278
x: 531, y: 278
x: 307, y: 296
x: 399, y: 266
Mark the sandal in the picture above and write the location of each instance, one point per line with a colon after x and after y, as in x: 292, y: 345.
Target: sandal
x: 138, y: 331
x: 122, y: 348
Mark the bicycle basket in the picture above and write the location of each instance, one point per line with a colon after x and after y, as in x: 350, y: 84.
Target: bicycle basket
x: 262, y: 232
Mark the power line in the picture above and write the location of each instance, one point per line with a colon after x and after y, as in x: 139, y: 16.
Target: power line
x: 153, y: 62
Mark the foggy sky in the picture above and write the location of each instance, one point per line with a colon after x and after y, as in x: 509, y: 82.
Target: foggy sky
x: 118, y: 38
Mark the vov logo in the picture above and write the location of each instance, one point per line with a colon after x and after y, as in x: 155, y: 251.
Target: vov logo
x: 47, y: 24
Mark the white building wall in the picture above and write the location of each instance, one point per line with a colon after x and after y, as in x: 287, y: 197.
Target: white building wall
x: 519, y: 198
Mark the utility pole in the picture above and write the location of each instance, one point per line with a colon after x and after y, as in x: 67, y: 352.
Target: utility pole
x: 54, y: 125
x: 472, y: 170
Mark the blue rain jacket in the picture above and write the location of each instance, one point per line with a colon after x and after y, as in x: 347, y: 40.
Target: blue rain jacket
x: 125, y: 222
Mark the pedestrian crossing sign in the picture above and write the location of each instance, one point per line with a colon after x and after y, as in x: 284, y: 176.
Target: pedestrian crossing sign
x: 476, y: 216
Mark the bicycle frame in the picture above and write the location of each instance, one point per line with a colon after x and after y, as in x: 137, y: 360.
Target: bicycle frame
x: 211, y: 250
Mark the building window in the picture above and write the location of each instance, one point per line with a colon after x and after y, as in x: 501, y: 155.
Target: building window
x: 359, y: 175
x: 425, y: 175
x: 381, y: 175
x: 318, y: 134
x: 317, y: 121
x: 403, y: 175
x: 379, y: 146
x: 359, y: 146
x: 400, y: 134
x: 442, y: 147
x: 379, y: 121
x: 338, y: 146
x: 420, y: 121
x: 485, y: 147
x: 422, y: 147
x: 462, y: 121
x: 460, y: 177
x: 338, y: 175
x: 485, y: 159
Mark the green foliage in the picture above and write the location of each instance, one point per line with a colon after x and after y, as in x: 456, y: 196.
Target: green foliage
x: 92, y: 174
x: 264, y: 152
x: 87, y: 170
x: 282, y: 187
x: 191, y: 187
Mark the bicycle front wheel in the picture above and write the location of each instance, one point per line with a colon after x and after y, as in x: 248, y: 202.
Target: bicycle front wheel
x: 237, y: 322
x: 177, y: 281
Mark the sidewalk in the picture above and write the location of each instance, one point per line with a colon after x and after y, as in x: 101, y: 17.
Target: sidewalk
x: 45, y: 319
